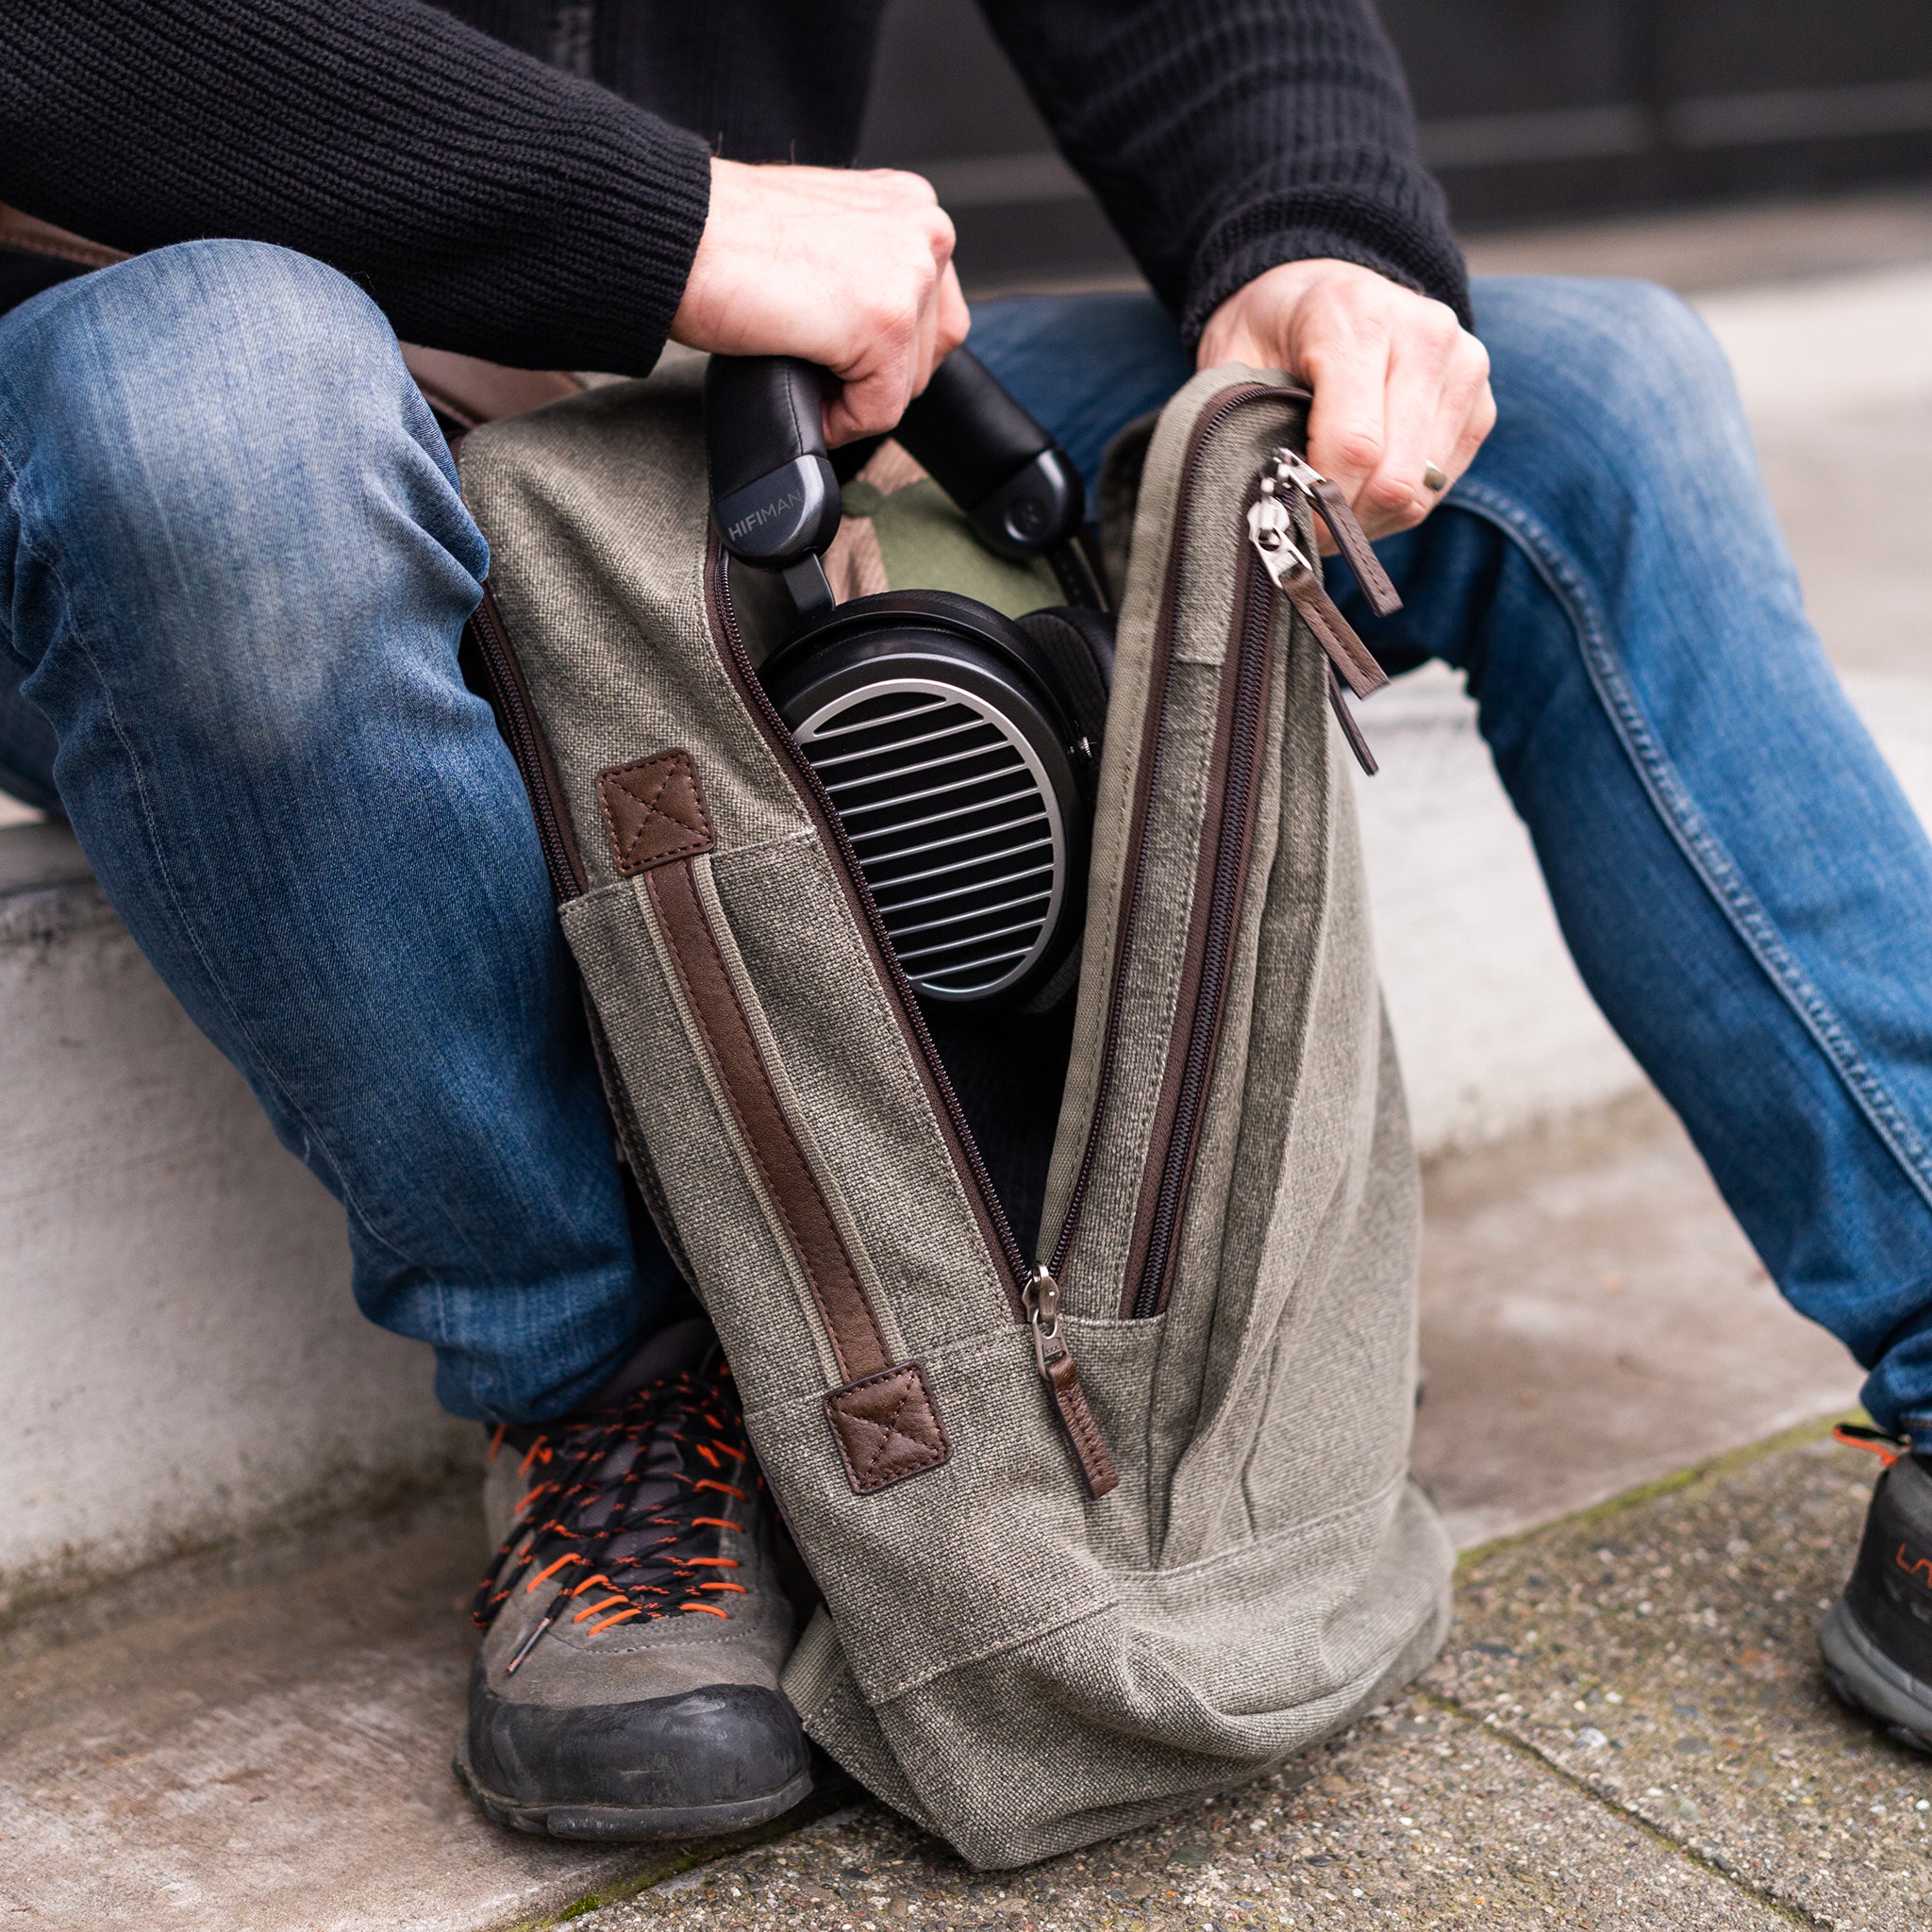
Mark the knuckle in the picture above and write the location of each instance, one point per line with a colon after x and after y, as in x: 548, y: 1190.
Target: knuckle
x: 1358, y: 450
x: 1390, y: 493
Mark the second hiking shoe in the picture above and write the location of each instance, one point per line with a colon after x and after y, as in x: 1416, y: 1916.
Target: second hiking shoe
x: 1877, y: 1640
x: 627, y: 1683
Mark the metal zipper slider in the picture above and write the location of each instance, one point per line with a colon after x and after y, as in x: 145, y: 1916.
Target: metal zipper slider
x: 1294, y: 574
x: 1041, y: 1297
x: 1289, y: 471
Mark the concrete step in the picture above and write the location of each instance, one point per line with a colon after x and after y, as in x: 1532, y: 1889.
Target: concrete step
x: 183, y: 1363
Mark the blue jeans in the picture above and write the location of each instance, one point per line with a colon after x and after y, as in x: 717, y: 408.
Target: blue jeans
x: 235, y: 569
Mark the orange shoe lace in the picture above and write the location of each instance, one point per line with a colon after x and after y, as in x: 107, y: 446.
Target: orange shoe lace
x: 628, y: 1507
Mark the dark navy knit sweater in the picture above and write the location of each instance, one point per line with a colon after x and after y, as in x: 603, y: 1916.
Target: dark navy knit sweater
x: 528, y: 182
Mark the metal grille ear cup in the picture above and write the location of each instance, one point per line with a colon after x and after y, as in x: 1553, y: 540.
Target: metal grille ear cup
x: 949, y: 765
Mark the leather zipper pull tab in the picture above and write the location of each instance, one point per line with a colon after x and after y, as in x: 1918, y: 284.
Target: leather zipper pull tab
x: 1042, y: 1296
x: 1350, y: 537
x: 1337, y: 703
x: 1297, y: 578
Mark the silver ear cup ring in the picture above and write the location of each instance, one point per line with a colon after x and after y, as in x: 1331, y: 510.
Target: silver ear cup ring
x: 1435, y: 479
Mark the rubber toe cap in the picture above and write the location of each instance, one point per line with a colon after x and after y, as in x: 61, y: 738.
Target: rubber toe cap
x: 719, y: 1746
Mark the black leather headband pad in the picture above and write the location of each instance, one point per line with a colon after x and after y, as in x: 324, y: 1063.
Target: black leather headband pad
x: 773, y: 490
x: 992, y: 459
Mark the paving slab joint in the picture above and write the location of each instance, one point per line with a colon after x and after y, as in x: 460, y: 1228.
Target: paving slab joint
x: 1584, y: 1788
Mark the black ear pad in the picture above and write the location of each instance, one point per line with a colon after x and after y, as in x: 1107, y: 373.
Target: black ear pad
x: 1074, y: 654
x: 957, y: 745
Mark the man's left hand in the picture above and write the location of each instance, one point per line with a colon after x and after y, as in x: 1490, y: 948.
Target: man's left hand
x: 1398, y: 382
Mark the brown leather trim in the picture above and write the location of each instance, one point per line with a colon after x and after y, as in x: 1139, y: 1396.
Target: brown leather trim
x: 1146, y: 773
x: 1353, y: 542
x: 1089, y: 1445
x: 1351, y: 731
x: 27, y: 235
x: 1007, y: 1263
x: 842, y: 1302
x: 487, y: 647
x: 886, y: 1428
x: 471, y: 392
x: 654, y: 811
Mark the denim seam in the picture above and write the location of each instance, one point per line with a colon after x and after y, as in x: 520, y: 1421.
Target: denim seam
x: 1708, y: 859
x: 77, y: 632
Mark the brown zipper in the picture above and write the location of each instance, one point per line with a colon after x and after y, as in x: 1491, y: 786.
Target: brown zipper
x: 1136, y: 867
x: 1021, y: 1283
x: 1219, y: 884
x: 1222, y: 878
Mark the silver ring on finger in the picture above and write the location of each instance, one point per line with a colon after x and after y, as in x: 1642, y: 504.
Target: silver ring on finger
x: 1435, y: 479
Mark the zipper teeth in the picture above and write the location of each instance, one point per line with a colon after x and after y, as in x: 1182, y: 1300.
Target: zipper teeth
x: 809, y: 782
x: 529, y: 761
x: 1224, y: 904
x: 1109, y: 1049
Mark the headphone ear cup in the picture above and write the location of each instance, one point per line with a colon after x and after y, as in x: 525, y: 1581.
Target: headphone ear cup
x: 1074, y: 648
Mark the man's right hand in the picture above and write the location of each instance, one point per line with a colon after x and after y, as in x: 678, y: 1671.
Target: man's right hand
x: 851, y: 270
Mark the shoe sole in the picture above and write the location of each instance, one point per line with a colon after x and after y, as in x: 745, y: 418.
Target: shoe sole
x: 1867, y: 1679
x: 631, y: 1824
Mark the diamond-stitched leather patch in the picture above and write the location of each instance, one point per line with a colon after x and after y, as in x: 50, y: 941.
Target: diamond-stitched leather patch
x: 654, y: 811
x: 887, y: 1427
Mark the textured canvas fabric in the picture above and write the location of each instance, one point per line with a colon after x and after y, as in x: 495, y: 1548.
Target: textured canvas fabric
x: 1016, y: 1666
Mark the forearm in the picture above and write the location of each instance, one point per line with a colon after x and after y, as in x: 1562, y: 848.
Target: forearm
x: 1226, y: 135
x: 488, y: 203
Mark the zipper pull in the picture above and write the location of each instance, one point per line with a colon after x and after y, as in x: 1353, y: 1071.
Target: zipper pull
x: 1042, y: 1296
x: 1299, y: 579
x: 1326, y: 498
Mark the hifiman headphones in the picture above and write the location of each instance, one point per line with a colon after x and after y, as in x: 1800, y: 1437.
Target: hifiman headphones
x: 959, y: 746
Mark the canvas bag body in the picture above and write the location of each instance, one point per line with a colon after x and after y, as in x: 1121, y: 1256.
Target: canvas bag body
x: 1014, y: 1663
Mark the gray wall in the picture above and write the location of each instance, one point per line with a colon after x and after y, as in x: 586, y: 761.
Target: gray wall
x: 1530, y: 108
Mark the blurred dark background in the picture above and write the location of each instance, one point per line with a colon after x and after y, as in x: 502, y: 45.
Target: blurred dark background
x: 1531, y: 110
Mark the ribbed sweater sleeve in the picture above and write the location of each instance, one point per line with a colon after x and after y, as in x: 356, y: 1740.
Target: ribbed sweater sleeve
x: 1225, y: 136
x: 488, y: 203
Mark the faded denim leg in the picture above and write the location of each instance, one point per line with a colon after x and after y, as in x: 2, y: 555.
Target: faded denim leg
x: 234, y: 573
x: 1741, y: 881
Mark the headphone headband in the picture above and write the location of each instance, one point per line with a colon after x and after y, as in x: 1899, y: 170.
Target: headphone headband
x: 776, y: 499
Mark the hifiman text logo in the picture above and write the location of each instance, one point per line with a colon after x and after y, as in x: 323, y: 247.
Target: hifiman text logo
x: 1920, y: 1570
x: 777, y: 506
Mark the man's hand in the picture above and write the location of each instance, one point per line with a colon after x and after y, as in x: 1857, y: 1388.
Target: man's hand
x: 853, y: 271
x: 1398, y: 383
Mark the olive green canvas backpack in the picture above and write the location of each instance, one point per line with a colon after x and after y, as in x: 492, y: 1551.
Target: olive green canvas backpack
x: 1122, y: 1515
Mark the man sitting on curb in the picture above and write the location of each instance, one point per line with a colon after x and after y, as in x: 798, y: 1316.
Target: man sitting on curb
x: 235, y: 569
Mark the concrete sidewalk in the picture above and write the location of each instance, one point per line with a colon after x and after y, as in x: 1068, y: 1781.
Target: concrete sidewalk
x: 1626, y: 1732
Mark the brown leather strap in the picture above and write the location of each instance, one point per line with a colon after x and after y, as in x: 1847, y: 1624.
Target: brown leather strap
x: 1346, y: 652
x: 793, y: 1187
x: 1353, y: 542
x: 25, y: 235
x: 1083, y: 1432
x: 471, y: 392
x: 466, y: 390
x: 1337, y: 703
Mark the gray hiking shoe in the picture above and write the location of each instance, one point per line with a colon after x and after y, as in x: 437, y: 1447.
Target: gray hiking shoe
x: 1877, y: 1639
x: 627, y: 1683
